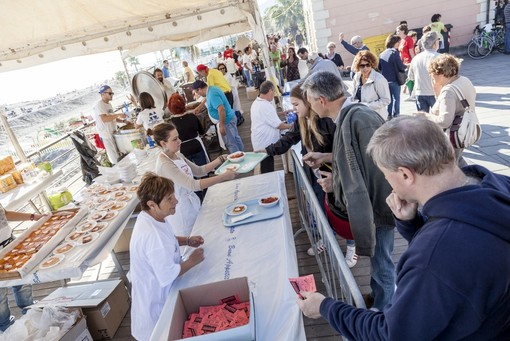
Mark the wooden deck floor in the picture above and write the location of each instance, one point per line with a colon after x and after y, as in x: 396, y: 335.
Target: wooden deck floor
x: 315, y: 329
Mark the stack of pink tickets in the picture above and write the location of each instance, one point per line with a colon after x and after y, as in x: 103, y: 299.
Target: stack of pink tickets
x: 230, y: 313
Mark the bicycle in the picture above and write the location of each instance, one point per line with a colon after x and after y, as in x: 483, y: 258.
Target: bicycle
x: 485, y: 40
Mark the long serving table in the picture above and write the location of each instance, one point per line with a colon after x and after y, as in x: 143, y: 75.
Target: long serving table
x: 263, y: 251
x: 80, y: 258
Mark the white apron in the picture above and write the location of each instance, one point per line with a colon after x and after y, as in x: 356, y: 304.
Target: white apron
x: 187, y: 208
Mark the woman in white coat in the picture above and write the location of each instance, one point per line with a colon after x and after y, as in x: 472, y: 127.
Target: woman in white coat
x: 173, y: 165
x: 370, y: 87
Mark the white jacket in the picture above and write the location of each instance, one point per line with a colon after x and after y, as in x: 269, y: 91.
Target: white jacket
x: 375, y: 93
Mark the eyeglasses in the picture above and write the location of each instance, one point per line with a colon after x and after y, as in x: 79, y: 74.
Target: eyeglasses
x: 110, y: 93
x: 362, y: 66
x: 221, y: 68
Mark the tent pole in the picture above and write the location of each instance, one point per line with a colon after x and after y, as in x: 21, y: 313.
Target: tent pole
x: 125, y: 67
x: 12, y: 137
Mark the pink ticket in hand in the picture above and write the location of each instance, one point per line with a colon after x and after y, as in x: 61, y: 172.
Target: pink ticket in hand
x: 303, y: 283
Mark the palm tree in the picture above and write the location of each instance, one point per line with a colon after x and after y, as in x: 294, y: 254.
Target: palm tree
x: 133, y: 61
x: 285, y: 15
x: 120, y: 76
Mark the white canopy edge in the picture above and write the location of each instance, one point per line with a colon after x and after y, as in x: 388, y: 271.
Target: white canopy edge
x: 64, y: 29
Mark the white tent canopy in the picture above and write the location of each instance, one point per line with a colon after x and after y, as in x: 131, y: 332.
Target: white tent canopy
x: 43, y: 31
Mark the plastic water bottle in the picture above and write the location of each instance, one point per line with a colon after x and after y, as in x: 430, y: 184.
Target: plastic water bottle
x: 150, y: 141
x: 126, y: 108
x: 291, y: 117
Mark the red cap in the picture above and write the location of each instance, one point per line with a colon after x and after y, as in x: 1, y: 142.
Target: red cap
x: 201, y: 67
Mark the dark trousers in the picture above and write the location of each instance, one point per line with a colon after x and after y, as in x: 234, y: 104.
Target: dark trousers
x: 267, y: 165
x: 230, y: 99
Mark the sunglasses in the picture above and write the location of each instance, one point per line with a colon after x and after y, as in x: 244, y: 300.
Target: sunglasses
x: 221, y: 68
x: 362, y: 66
x: 109, y: 93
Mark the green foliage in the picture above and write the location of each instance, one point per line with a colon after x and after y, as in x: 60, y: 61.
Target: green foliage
x: 285, y: 16
x: 120, y: 76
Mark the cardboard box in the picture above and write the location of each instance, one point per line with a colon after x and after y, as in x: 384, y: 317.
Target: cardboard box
x: 189, y: 300
x: 251, y: 93
x: 104, y: 303
x: 78, y: 332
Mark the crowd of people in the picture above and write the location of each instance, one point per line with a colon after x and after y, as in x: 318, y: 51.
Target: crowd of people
x: 370, y: 169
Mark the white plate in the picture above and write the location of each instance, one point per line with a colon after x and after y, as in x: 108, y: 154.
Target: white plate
x: 236, y: 209
x: 97, y: 215
x: 110, y: 215
x: 106, y: 206
x: 234, y: 167
x: 87, y: 238
x: 73, y: 236
x: 133, y: 188
x: 101, y: 200
x: 269, y: 204
x: 118, y: 205
x: 118, y: 187
x: 99, y: 227
x: 117, y: 194
x: 124, y: 198
x: 86, y: 225
x: 231, y: 157
x: 52, y: 261
x: 65, y: 247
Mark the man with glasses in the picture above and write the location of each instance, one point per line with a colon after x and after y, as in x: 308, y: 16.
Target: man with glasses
x: 106, y: 122
x: 354, y: 47
x: 359, y: 187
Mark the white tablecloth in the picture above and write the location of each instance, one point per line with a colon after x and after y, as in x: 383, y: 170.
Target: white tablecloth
x: 263, y: 251
x: 79, y: 259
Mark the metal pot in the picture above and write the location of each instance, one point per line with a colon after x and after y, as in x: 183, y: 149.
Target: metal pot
x: 129, y: 139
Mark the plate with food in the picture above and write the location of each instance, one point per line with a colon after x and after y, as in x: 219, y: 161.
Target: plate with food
x: 118, y: 206
x: 73, y: 236
x: 269, y: 201
x: 133, y: 188
x: 86, y: 225
x: 98, y: 215
x: 102, y: 199
x: 110, y: 215
x: 236, y: 157
x: 236, y: 209
x: 64, y: 248
x: 124, y: 198
x: 87, y: 238
x: 118, y: 194
x: 99, y: 227
x: 118, y: 187
x: 106, y: 206
x: 52, y: 261
x: 232, y: 167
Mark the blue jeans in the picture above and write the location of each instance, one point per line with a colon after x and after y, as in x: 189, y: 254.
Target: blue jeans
x: 507, y: 38
x: 23, y: 297
x: 425, y: 103
x: 247, y: 75
x: 232, y: 139
x: 382, y: 279
x: 394, y: 106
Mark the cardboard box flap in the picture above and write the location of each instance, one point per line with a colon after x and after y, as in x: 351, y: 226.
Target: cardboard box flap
x: 80, y: 295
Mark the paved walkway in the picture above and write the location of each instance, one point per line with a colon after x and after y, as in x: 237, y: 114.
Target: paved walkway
x: 491, y: 77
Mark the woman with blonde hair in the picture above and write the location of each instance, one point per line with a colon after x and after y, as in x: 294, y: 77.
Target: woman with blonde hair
x: 444, y: 71
x: 370, y: 87
x: 316, y: 135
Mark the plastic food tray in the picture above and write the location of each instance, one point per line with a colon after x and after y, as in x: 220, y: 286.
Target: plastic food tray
x: 251, y: 160
x: 259, y: 213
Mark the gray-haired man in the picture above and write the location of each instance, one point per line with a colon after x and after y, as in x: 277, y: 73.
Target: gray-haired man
x: 418, y: 72
x: 359, y: 187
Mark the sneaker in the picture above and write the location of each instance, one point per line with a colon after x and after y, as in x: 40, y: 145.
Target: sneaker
x: 351, y: 258
x: 320, y: 248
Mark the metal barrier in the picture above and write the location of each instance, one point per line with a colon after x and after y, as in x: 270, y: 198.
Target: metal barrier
x: 336, y: 275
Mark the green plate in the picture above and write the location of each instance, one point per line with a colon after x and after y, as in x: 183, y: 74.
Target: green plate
x: 251, y: 160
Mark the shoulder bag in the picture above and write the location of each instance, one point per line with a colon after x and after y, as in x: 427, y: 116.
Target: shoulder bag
x: 465, y: 129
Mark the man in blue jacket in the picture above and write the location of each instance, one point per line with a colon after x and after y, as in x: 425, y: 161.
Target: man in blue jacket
x: 453, y: 281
